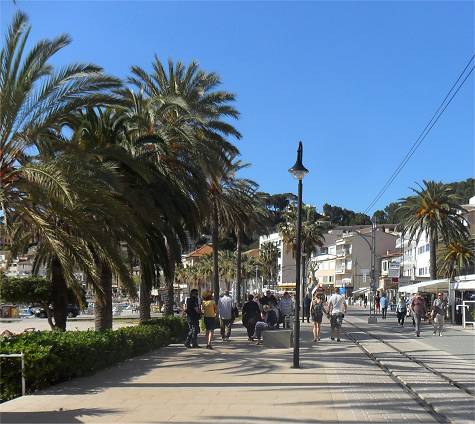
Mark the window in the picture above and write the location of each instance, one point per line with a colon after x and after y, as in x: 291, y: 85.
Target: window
x: 325, y: 279
x: 427, y: 247
x: 385, y: 266
x: 421, y: 271
x: 330, y: 279
x: 324, y: 250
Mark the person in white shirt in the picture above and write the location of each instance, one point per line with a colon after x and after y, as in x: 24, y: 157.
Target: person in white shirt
x: 225, y: 313
x: 337, y: 309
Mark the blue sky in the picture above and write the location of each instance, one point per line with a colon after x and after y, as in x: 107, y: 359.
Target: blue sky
x: 355, y: 81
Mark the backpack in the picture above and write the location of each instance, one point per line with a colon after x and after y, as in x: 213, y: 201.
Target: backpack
x: 317, y: 310
x: 271, y: 318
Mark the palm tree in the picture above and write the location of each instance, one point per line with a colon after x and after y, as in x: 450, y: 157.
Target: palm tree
x: 456, y: 258
x: 231, y: 201
x: 268, y: 257
x: 312, y: 231
x: 35, y: 102
x: 188, y: 110
x: 435, y: 211
x: 258, y: 220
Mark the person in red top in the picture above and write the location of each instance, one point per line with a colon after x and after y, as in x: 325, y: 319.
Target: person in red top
x: 418, y: 308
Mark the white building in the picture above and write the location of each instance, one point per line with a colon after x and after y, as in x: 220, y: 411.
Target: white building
x: 285, y: 261
x: 415, y: 261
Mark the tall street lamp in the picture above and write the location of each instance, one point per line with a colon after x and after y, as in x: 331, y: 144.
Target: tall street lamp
x: 298, y: 171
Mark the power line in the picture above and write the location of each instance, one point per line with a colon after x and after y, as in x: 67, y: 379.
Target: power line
x: 435, y: 117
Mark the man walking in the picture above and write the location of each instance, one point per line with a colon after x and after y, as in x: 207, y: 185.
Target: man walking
x: 225, y: 312
x: 193, y: 314
x: 337, y: 309
x: 418, y: 308
x: 439, y: 307
x: 383, y: 301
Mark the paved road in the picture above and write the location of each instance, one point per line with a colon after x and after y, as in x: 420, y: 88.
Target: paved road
x: 238, y: 382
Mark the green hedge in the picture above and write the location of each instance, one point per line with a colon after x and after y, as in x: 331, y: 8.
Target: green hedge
x: 52, y: 357
x: 177, y: 326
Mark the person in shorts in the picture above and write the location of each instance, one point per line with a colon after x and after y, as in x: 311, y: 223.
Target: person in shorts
x: 209, y: 312
x: 337, y: 310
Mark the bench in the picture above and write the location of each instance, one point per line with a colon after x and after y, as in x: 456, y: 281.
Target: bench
x: 277, y: 338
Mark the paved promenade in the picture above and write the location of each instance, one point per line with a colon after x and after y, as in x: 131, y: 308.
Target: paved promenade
x: 238, y: 382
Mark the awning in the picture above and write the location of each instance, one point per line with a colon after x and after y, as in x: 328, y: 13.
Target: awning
x: 464, y: 282
x: 426, y: 286
x: 361, y: 291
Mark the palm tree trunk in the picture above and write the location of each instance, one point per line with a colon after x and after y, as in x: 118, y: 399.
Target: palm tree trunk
x: 144, y: 295
x: 170, y: 291
x: 214, y: 241
x: 103, y: 301
x: 60, y: 294
x: 238, y: 265
x: 433, y: 258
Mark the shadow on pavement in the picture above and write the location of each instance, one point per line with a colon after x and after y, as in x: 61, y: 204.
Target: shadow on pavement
x: 67, y: 416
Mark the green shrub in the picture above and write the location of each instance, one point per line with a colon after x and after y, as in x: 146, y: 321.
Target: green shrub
x: 177, y: 326
x: 52, y: 357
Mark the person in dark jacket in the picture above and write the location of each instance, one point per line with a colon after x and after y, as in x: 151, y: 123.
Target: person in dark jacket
x: 268, y: 322
x: 193, y: 314
x: 307, y: 301
x: 250, y: 315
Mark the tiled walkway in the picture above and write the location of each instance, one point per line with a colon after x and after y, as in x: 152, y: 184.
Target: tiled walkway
x: 238, y: 382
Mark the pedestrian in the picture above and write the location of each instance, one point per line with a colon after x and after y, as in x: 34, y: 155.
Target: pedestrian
x: 439, y: 306
x: 409, y: 309
x: 285, y: 308
x: 377, y: 304
x: 209, y: 312
x: 250, y: 315
x: 365, y: 301
x: 268, y: 322
x: 383, y: 301
x: 401, y: 309
x: 337, y: 310
x: 316, y: 311
x: 193, y: 314
x: 307, y: 301
x: 225, y: 312
x: 418, y: 308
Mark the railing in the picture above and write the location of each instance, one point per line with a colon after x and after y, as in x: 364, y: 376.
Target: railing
x: 465, y: 306
x: 22, y: 356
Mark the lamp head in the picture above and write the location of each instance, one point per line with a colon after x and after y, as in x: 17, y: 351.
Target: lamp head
x: 298, y: 170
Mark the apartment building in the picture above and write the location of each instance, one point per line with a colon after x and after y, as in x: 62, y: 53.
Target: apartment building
x: 415, y: 258
x: 345, y: 258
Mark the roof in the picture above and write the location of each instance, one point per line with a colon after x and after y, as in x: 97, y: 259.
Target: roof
x: 252, y: 252
x: 392, y: 254
x: 204, y: 250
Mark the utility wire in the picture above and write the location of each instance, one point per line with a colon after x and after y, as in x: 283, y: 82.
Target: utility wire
x: 435, y: 117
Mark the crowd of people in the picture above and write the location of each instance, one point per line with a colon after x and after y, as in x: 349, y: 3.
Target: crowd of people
x: 416, y: 307
x: 259, y: 313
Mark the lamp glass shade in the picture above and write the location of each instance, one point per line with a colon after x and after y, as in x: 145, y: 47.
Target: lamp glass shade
x: 298, y: 170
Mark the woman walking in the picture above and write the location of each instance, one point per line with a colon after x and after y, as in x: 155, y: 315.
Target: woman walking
x: 209, y: 312
x: 317, y: 309
x: 250, y: 315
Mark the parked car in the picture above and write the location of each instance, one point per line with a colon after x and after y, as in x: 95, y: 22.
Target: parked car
x: 72, y: 311
x: 26, y: 313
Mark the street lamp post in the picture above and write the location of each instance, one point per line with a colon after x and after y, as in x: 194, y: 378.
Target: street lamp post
x: 298, y: 171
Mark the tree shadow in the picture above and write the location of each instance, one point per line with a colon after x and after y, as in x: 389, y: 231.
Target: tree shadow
x: 62, y: 416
